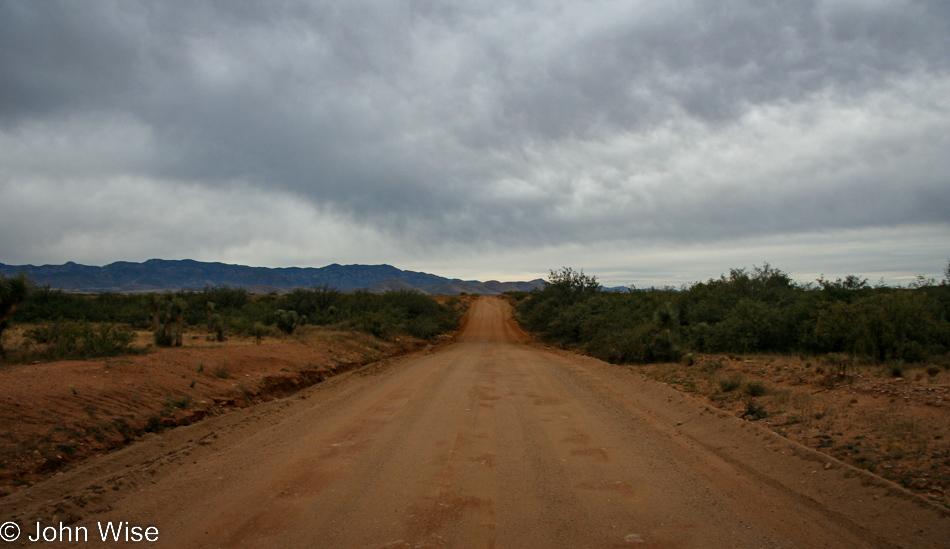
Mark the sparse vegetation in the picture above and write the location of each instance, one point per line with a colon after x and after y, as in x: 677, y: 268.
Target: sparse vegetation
x: 894, y: 427
x: 896, y: 368
x: 222, y: 371
x: 181, y: 402
x: 222, y: 312
x: 731, y: 383
x: 75, y: 340
x: 754, y: 411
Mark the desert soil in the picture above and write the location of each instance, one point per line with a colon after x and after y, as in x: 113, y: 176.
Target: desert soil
x: 54, y: 415
x: 895, y: 426
x: 489, y: 442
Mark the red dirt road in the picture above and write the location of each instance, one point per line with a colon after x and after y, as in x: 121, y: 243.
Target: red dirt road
x: 492, y: 443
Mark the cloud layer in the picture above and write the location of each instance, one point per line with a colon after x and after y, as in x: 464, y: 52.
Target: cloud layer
x: 423, y: 133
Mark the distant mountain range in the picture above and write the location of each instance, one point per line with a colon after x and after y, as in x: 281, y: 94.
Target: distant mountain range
x: 160, y: 274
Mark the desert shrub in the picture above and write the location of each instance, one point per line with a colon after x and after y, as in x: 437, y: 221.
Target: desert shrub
x: 755, y: 388
x: 75, y: 340
x: 664, y: 347
x: 731, y: 383
x: 378, y: 324
x: 757, y: 310
x: 181, y: 402
x: 163, y: 339
x: 315, y: 304
x: 423, y: 327
x: 569, y: 324
x: 199, y: 307
x: 515, y: 296
x: 618, y: 347
x: 46, y: 304
x: 698, y: 336
x: 258, y: 331
x: 565, y: 288
x: 840, y: 364
x: 224, y: 298
x: 887, y: 324
x: 219, y: 327
x: 287, y: 321
x: 171, y: 328
x: 895, y: 368
x: 754, y: 411
x: 384, y: 316
x: 406, y: 312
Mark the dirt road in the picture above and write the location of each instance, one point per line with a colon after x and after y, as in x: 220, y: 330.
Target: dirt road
x: 490, y: 442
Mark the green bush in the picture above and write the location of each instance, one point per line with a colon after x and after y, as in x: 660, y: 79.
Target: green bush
x: 218, y: 326
x: 887, y: 324
x: 423, y: 327
x: 755, y: 311
x: 258, y: 331
x: 75, y: 340
x: 169, y: 317
x: 380, y: 325
x: 223, y: 310
x: 287, y: 321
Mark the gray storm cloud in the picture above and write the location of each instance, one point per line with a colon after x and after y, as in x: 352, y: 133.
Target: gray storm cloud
x: 435, y: 125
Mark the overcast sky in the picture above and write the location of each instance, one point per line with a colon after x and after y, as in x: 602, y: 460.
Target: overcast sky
x: 644, y: 141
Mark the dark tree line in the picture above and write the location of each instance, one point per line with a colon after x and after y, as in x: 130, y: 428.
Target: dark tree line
x: 761, y: 310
